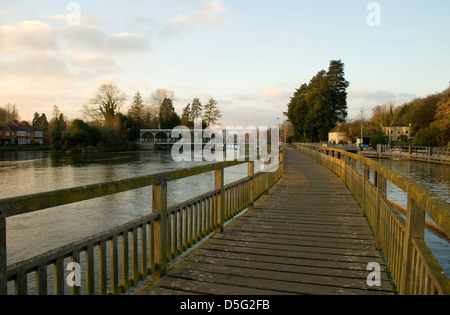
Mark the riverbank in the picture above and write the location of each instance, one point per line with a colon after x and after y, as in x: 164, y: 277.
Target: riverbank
x: 437, y: 159
x: 27, y: 147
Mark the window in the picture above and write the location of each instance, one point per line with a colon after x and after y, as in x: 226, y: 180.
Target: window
x: 21, y: 133
x: 7, y: 133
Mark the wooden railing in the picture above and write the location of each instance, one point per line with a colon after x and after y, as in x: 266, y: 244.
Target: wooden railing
x: 414, y: 268
x: 114, y: 261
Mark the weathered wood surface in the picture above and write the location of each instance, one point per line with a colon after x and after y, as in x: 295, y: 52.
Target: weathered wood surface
x: 308, y: 236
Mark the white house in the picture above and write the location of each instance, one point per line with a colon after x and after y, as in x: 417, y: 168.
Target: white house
x: 338, y: 135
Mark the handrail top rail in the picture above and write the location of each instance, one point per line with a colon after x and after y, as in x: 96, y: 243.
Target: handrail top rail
x: 436, y: 208
x: 29, y: 203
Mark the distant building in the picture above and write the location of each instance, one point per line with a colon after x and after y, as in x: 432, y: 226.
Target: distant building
x: 397, y: 132
x: 20, y: 133
x: 338, y: 135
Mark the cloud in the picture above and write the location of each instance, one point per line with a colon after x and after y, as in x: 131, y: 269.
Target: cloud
x: 277, y: 93
x: 379, y: 96
x: 93, y: 40
x: 93, y: 62
x: 210, y: 14
x: 85, y: 20
x: 29, y: 35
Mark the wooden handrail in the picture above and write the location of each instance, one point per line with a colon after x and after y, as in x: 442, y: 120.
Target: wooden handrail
x: 413, y: 266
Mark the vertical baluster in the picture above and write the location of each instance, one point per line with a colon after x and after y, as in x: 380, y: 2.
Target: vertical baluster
x: 90, y: 277
x: 135, y: 256
x: 114, y: 265
x: 59, y: 276
x: 200, y: 219
x: 125, y: 267
x: 21, y: 284
x: 103, y: 273
x: 75, y: 258
x: 169, y: 235
x: 151, y: 238
x: 3, y: 260
x: 144, y: 251
x: 41, y: 279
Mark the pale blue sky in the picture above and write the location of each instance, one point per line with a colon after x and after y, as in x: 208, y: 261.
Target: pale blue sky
x: 250, y: 55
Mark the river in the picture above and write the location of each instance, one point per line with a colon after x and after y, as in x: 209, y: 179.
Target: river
x: 26, y: 172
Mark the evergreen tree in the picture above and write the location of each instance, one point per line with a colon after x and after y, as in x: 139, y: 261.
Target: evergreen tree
x: 315, y: 108
x: 338, y: 89
x: 196, y: 109
x: 168, y: 118
x: 211, y: 113
x: 137, y: 110
x: 186, y: 118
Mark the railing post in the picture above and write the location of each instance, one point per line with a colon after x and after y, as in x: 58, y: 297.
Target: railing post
x: 220, y: 185
x: 366, y: 175
x: 160, y: 206
x: 381, y: 193
x: 415, y: 228
x: 251, y: 173
x: 3, y: 260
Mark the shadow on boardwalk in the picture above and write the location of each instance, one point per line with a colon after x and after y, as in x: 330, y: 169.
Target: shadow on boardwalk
x: 307, y: 236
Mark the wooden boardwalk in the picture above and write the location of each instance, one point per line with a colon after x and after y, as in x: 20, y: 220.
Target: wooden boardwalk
x: 307, y: 236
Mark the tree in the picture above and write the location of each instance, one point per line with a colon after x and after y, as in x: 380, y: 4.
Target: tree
x: 40, y: 122
x: 186, y: 117
x: 338, y: 89
x: 211, y: 113
x: 196, y: 109
x: 315, y: 108
x: 157, y: 98
x: 168, y: 118
x: 137, y: 109
x: 9, y: 113
x: 105, y: 104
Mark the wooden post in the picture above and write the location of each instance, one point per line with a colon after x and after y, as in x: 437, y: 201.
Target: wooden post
x: 251, y: 172
x: 220, y: 208
x: 415, y: 228
x: 381, y: 193
x: 366, y: 175
x: 3, y: 260
x: 160, y: 206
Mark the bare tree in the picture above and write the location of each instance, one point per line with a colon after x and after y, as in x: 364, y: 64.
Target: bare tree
x: 9, y: 113
x: 157, y: 98
x: 105, y: 104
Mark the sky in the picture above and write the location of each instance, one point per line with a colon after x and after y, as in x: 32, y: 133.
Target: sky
x: 249, y: 55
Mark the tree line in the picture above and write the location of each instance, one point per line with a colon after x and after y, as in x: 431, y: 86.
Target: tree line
x: 429, y: 117
x: 108, y: 126
x: 319, y: 106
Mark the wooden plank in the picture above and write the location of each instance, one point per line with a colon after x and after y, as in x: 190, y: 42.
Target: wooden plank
x: 255, y: 271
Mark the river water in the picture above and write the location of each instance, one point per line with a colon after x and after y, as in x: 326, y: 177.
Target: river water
x: 25, y: 173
